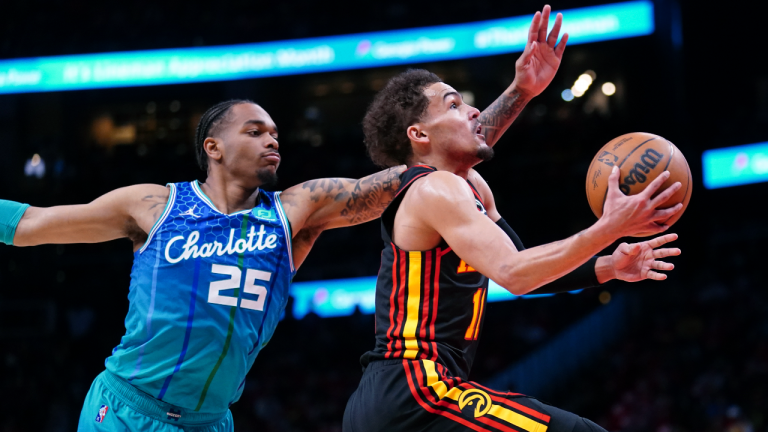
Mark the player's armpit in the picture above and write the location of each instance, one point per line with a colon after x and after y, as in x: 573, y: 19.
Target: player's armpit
x: 126, y: 212
x: 302, y: 244
x: 339, y: 202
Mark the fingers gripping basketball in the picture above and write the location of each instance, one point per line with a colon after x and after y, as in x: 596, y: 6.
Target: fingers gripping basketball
x: 641, y: 158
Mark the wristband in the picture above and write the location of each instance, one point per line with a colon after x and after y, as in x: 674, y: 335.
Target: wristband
x: 10, y: 215
x: 582, y: 277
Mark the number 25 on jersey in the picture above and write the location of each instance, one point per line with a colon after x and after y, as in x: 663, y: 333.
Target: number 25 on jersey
x: 236, y: 275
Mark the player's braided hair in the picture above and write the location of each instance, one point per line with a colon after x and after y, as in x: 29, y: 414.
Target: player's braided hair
x: 209, y: 126
x: 398, y: 105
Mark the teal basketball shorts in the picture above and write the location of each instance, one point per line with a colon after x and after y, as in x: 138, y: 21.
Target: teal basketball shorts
x: 113, y: 405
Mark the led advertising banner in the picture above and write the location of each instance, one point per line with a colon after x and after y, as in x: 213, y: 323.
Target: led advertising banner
x: 340, y: 297
x: 733, y: 166
x: 300, y: 56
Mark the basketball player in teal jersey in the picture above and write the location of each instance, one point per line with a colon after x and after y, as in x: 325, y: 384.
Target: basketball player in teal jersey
x: 213, y: 261
x: 212, y: 265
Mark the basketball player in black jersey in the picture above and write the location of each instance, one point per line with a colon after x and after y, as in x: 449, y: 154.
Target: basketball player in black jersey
x: 443, y: 240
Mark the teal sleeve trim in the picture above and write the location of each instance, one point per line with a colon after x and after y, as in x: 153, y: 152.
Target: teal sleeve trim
x: 10, y: 215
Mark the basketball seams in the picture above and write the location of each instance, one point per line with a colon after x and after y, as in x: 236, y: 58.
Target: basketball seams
x: 622, y: 163
x: 586, y: 186
x: 686, y: 197
x: 651, y: 167
x: 634, y: 150
x: 671, y: 154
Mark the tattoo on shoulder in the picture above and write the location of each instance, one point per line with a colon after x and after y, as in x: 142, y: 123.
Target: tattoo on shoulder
x: 500, y: 114
x: 316, y: 190
x: 156, y: 204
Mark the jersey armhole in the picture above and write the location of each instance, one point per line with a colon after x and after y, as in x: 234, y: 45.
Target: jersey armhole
x: 163, y: 217
x: 476, y: 192
x: 286, y: 228
x: 388, y: 215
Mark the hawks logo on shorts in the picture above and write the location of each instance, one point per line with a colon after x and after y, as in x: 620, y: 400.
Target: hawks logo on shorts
x: 476, y: 401
x: 468, y: 403
x: 102, y: 413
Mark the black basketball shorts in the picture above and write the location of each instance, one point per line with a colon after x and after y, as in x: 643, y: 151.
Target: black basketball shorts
x: 421, y: 395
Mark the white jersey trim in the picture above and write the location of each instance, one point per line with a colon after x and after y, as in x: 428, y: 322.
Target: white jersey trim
x: 200, y: 194
x: 163, y: 217
x: 286, y: 229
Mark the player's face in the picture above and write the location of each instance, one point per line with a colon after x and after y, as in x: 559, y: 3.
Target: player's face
x: 250, y: 147
x: 452, y: 125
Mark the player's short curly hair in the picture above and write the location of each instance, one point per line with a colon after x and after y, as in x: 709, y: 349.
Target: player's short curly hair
x: 399, y: 104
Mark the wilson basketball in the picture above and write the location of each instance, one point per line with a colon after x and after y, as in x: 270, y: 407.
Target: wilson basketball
x: 641, y: 157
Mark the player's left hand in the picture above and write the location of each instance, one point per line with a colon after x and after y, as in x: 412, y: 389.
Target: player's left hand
x: 538, y: 64
x: 638, y: 261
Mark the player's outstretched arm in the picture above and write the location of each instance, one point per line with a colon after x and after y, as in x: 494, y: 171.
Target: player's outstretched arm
x: 534, y: 70
x: 127, y: 212
x: 630, y: 262
x: 484, y: 246
x: 318, y: 205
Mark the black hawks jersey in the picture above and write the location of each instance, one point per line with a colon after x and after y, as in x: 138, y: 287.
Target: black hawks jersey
x: 429, y: 304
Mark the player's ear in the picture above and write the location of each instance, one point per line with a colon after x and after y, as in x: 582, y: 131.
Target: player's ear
x: 417, y: 134
x: 212, y: 148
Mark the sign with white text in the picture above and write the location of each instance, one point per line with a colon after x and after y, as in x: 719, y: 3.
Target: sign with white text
x: 301, y: 56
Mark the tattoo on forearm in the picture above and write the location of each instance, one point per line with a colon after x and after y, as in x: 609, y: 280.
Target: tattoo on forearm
x: 353, y: 201
x: 370, y: 196
x: 358, y: 200
x: 500, y: 114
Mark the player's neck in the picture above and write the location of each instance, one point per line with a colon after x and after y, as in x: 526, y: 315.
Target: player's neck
x: 461, y: 169
x: 229, y: 195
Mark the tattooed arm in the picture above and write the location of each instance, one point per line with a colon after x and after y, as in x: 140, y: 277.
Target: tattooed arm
x: 497, y: 118
x: 126, y: 212
x: 534, y: 70
x: 317, y: 205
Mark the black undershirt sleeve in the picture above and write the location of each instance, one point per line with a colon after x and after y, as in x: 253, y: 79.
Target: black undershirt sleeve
x: 582, y: 277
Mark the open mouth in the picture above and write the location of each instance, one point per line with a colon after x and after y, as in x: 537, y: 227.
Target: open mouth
x: 479, y: 131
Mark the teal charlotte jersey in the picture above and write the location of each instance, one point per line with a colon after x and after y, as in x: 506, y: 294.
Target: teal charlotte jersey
x: 207, y: 291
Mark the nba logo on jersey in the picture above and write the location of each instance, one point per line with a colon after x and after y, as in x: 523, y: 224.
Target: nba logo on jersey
x: 102, y: 413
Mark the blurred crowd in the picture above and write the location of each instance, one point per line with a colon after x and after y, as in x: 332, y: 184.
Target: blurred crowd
x: 300, y: 382
x: 697, y: 360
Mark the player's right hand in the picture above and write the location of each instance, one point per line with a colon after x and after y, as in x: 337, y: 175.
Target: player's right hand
x: 636, y: 214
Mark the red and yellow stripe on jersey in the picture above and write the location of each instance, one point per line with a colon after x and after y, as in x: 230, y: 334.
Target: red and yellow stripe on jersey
x: 429, y: 304
x: 413, y: 302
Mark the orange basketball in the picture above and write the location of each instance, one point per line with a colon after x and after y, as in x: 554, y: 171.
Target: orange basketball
x: 641, y: 157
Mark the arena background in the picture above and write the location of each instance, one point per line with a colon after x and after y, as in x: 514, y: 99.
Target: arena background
x: 687, y: 354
